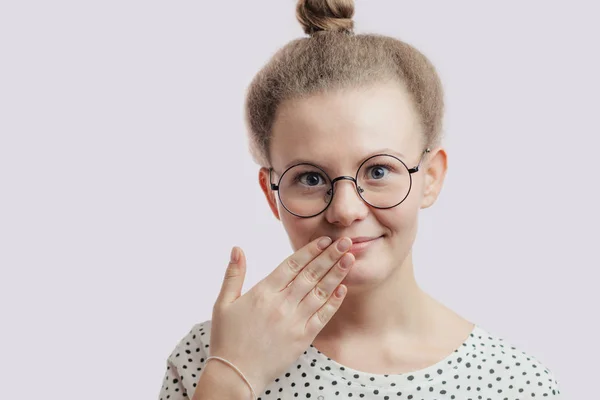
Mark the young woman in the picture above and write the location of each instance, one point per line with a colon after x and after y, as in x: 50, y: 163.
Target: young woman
x: 347, y: 130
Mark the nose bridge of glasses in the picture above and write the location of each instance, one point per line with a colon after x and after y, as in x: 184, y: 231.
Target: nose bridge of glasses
x: 341, y: 178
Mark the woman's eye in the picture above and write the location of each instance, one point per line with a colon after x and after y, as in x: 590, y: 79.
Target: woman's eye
x: 377, y: 172
x: 310, y: 179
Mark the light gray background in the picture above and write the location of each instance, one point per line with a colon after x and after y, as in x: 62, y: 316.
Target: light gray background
x: 125, y: 179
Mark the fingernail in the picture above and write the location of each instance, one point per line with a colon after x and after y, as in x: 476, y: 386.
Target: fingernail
x: 346, y: 261
x: 344, y: 244
x: 235, y: 255
x: 323, y: 243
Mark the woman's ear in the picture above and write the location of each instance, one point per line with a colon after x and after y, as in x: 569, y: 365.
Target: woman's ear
x: 434, y: 172
x: 265, y: 185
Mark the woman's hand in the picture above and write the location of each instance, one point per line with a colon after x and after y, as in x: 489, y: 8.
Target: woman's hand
x: 271, y: 325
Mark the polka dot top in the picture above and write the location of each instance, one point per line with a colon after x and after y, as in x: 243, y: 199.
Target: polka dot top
x: 484, y: 367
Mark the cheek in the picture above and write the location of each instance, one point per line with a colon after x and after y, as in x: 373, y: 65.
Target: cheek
x: 399, y: 220
x: 405, y: 216
x: 400, y: 224
x: 299, y: 230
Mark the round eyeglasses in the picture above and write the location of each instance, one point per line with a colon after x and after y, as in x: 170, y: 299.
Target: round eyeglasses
x: 382, y: 181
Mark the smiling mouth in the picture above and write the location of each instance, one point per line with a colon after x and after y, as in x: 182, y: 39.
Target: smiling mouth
x: 363, y: 244
x: 364, y: 239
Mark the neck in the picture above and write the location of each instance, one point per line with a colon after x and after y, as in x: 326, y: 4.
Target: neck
x: 396, y: 307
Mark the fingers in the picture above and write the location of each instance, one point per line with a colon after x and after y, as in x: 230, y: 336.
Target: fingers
x: 319, y: 319
x: 233, y: 282
x: 316, y: 269
x: 324, y: 289
x: 288, y: 270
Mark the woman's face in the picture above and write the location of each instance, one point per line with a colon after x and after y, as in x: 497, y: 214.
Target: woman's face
x: 337, y: 131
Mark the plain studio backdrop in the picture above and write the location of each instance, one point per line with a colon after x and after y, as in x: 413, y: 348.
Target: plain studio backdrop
x: 125, y: 179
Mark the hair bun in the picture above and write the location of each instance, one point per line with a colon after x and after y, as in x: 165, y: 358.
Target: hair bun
x: 325, y: 15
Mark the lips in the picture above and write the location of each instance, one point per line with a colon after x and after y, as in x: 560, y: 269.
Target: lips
x: 362, y: 239
x: 362, y: 244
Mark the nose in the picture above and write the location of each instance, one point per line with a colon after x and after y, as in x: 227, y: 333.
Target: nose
x: 346, y: 205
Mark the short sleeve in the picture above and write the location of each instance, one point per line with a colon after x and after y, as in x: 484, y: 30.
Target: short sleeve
x: 185, y: 364
x: 172, y: 387
x: 553, y: 386
x: 539, y: 382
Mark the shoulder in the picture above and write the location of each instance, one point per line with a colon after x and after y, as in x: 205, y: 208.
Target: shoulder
x: 508, y: 366
x: 192, y: 345
x: 188, y: 358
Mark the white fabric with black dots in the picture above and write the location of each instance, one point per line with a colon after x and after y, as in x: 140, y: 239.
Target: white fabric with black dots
x: 484, y: 367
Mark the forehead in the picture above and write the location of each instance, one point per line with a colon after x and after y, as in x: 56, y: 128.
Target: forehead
x: 341, y: 128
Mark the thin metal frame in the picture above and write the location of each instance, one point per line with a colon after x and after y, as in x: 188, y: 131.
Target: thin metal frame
x: 359, y: 190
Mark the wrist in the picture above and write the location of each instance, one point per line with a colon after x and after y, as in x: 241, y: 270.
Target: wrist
x: 227, y: 380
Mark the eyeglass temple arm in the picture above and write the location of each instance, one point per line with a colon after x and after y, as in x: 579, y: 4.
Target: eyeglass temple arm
x: 273, y: 185
x: 416, y: 169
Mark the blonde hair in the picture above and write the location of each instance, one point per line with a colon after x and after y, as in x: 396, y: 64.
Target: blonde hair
x: 334, y: 58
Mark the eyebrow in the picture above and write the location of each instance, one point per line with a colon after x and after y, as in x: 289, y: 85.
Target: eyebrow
x: 380, y: 151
